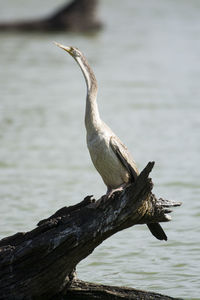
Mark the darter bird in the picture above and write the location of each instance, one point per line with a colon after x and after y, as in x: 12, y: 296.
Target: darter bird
x: 109, y: 155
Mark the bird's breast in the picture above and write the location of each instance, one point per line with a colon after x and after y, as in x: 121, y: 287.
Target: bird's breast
x: 105, y: 160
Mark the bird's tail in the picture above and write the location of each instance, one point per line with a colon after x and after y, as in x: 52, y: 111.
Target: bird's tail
x: 157, y: 231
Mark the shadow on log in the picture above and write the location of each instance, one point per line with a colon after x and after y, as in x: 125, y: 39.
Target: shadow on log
x: 78, y: 16
x: 40, y: 264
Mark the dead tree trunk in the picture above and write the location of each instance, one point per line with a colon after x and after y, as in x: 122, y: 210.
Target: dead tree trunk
x: 80, y: 290
x: 40, y: 264
x: 79, y: 15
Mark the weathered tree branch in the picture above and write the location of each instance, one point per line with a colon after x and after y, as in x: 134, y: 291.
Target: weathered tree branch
x: 79, y: 15
x: 40, y: 263
x: 90, y: 291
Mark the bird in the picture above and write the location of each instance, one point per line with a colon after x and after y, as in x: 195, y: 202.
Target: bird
x: 109, y: 155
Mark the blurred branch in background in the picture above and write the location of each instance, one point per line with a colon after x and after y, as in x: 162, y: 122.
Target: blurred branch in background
x: 77, y: 16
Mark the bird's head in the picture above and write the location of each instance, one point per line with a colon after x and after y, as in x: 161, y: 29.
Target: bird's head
x: 73, y: 51
x: 83, y: 64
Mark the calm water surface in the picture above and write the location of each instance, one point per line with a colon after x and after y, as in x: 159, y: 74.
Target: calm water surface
x: 147, y: 62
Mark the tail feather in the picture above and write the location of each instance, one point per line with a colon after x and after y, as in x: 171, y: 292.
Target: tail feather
x: 157, y: 231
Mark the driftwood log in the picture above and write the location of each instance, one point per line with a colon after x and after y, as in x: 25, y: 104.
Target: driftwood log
x: 79, y: 15
x: 40, y: 264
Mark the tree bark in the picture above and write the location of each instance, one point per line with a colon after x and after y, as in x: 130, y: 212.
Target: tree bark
x: 80, y: 290
x: 40, y: 264
x: 79, y: 15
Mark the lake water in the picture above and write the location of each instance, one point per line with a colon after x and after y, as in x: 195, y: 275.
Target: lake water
x: 147, y: 62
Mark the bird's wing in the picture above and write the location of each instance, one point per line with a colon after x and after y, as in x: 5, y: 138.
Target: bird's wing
x: 124, y: 156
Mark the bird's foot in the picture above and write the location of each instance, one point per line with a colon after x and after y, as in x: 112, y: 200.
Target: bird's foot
x: 111, y: 191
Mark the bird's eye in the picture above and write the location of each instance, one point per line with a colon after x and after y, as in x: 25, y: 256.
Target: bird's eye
x: 77, y: 54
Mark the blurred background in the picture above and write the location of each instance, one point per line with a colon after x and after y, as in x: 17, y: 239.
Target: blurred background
x: 147, y: 62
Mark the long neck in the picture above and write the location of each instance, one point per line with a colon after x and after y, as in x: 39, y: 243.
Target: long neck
x: 92, y: 119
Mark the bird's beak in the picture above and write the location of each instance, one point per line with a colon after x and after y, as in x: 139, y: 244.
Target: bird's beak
x: 68, y: 49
